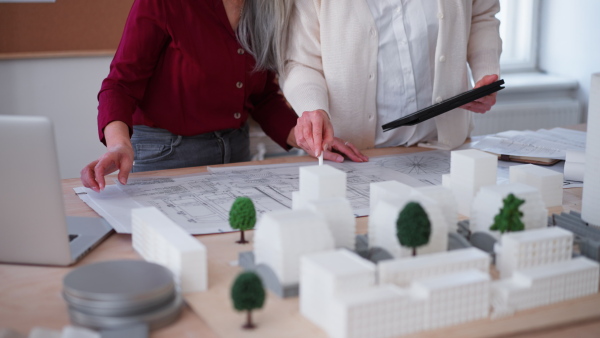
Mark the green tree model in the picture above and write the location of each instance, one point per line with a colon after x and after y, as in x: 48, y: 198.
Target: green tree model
x: 248, y: 294
x: 242, y: 216
x: 413, y: 228
x: 509, y: 218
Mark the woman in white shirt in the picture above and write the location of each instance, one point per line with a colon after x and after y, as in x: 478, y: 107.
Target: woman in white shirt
x: 355, y: 65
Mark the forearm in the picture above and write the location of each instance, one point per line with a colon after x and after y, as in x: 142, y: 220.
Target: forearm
x: 291, y: 139
x: 116, y: 134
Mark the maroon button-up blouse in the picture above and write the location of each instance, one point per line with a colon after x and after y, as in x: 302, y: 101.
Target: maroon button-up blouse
x: 179, y: 67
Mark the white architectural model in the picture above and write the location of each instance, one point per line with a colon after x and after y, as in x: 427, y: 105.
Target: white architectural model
x: 325, y: 276
x: 453, y: 298
x: 381, y: 311
x: 67, y: 332
x: 470, y: 170
x: 160, y: 240
x: 437, y: 202
x: 525, y: 249
x: 405, y: 270
x: 387, y: 190
x: 543, y: 285
x: 339, y: 294
x: 323, y: 190
x: 348, y: 296
x: 340, y: 219
x: 489, y: 201
x: 548, y: 182
x: 445, y: 199
x: 324, y: 181
x: 282, y: 237
x: 590, y: 212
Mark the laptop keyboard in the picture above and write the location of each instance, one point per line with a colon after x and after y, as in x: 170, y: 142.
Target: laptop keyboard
x: 72, y: 237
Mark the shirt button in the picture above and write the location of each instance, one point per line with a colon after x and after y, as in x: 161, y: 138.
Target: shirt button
x: 239, y: 85
x: 237, y: 115
x: 240, y: 51
x: 372, y: 31
x: 438, y: 99
x: 442, y: 58
x: 370, y: 117
x: 371, y: 76
x: 440, y: 15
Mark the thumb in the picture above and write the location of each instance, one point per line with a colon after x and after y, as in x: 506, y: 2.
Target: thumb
x: 124, y: 168
x: 486, y: 80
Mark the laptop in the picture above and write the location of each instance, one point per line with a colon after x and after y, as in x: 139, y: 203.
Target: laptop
x: 33, y: 225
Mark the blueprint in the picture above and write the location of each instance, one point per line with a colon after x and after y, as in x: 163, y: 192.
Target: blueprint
x: 200, y: 203
x: 427, y: 167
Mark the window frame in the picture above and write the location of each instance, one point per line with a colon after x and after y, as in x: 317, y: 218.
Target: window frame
x: 520, y: 41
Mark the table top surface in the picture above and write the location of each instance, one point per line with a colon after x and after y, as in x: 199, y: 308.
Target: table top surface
x: 30, y: 295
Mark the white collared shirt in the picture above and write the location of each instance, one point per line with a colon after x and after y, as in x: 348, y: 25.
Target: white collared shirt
x: 408, y: 32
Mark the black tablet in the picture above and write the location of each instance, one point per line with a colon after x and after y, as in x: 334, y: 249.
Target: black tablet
x: 444, y: 106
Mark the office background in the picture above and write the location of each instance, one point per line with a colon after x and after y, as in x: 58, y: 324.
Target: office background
x: 65, y: 88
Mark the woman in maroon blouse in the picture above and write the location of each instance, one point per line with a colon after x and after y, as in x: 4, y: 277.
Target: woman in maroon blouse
x: 183, y: 83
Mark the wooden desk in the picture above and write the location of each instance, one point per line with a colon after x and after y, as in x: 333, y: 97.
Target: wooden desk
x: 31, y: 295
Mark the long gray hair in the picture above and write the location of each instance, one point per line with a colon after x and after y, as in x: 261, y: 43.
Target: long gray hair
x: 263, y: 30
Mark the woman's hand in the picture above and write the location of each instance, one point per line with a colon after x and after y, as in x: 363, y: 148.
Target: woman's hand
x: 314, y: 134
x: 485, y: 103
x: 119, y: 156
x: 346, y: 148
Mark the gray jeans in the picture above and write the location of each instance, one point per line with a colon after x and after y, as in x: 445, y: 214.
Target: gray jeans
x: 157, y: 149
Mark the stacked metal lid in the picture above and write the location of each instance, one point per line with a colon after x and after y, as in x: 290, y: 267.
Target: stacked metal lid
x: 116, y: 294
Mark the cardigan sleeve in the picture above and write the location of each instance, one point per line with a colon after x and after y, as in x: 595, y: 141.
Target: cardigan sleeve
x: 303, y: 81
x: 485, y: 46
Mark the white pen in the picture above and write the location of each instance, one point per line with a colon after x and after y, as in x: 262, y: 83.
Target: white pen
x: 321, y: 158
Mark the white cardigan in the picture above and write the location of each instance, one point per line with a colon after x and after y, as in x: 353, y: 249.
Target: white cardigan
x: 331, y: 63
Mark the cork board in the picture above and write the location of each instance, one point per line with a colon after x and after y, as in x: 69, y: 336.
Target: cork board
x: 62, y: 28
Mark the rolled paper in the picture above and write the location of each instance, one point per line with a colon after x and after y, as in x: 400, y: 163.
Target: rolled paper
x: 590, y: 210
x: 574, y: 166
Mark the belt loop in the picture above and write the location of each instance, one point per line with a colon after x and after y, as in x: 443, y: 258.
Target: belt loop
x: 176, y: 141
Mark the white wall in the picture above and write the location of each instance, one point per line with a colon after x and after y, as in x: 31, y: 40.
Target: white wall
x: 64, y: 89
x: 570, y: 41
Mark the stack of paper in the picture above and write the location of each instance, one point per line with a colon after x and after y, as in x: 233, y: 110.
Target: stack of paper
x: 541, y: 144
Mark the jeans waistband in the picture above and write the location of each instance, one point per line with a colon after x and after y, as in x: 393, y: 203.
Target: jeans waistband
x: 158, y: 132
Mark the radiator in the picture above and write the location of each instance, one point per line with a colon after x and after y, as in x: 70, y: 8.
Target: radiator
x: 532, y: 115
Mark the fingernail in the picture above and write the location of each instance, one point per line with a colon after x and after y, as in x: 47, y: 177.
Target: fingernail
x: 326, y: 146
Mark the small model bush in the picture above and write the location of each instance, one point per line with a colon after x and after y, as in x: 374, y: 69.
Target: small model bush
x: 509, y: 217
x: 413, y: 227
x: 248, y: 294
x: 242, y: 216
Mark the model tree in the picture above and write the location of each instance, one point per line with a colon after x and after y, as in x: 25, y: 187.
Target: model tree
x: 509, y: 218
x: 242, y: 216
x: 413, y: 228
x: 248, y: 294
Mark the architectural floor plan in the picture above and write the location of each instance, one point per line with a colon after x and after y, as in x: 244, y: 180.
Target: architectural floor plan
x: 200, y: 203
